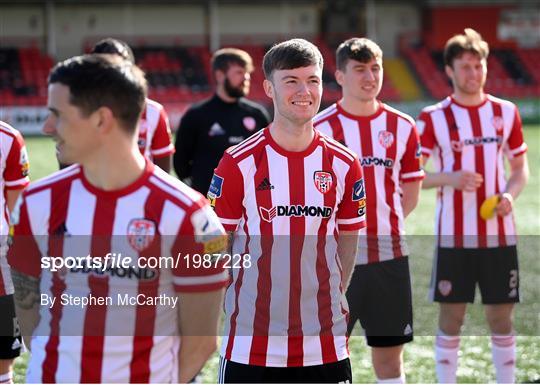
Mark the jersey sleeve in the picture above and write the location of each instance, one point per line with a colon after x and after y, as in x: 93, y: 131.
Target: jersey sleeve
x: 515, y: 146
x: 23, y: 254
x: 161, y: 142
x: 428, y: 142
x: 411, y: 169
x: 226, y: 192
x: 351, y: 214
x: 198, y: 247
x: 17, y: 165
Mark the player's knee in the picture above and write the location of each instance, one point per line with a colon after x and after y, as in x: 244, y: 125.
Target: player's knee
x: 387, y: 362
x: 499, y: 324
x: 451, y: 323
x: 390, y: 368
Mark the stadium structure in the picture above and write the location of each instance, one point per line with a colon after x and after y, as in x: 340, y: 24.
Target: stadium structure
x: 173, y: 41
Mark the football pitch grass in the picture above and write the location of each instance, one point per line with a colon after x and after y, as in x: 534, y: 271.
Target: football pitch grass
x: 475, y: 355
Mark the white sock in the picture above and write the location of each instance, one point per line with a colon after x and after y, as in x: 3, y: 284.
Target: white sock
x: 397, y: 380
x: 6, y: 378
x: 446, y: 357
x: 503, y: 350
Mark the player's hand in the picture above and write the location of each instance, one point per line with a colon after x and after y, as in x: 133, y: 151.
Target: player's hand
x: 466, y: 180
x: 506, y: 202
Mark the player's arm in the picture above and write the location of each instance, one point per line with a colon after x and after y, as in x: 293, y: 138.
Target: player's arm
x: 198, y: 320
x: 411, y: 173
x: 16, y: 171
x: 161, y: 146
x: 185, y: 145
x: 27, y: 299
x: 410, y: 196
x: 347, y: 249
x: 351, y: 218
x: 460, y: 179
x: 11, y: 198
x: 519, y: 176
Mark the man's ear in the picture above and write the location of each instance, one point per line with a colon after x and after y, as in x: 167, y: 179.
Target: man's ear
x: 104, y: 119
x: 268, y: 88
x: 449, y: 71
x: 219, y: 75
x: 339, y: 77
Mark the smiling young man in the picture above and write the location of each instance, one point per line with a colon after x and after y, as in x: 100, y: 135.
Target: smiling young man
x: 208, y: 128
x: 388, y: 146
x: 112, y: 200
x: 468, y: 135
x: 287, y: 195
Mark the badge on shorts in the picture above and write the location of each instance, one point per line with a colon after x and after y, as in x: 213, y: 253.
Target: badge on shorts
x: 445, y: 287
x: 141, y: 233
x: 323, y: 181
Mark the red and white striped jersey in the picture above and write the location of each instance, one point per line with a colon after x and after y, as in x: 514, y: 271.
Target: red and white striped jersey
x: 154, y: 131
x: 286, y: 208
x: 388, y: 145
x: 476, y: 139
x: 156, y: 216
x: 13, y: 176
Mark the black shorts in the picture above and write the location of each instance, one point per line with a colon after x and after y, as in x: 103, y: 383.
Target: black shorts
x: 10, y: 333
x: 234, y: 373
x: 379, y: 296
x: 456, y: 272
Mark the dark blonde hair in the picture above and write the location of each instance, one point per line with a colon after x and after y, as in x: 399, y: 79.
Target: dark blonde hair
x: 470, y: 41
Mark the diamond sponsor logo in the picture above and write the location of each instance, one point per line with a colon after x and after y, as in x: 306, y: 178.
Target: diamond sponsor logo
x: 294, y: 211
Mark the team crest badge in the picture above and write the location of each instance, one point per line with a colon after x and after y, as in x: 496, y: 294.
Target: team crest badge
x: 323, y: 181
x: 498, y: 123
x: 386, y: 139
x: 445, y: 287
x: 141, y: 233
x: 249, y: 123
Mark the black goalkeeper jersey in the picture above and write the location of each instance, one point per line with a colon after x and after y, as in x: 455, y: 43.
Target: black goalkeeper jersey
x: 207, y: 129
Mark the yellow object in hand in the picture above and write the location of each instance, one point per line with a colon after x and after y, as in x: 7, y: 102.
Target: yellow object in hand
x: 487, y: 210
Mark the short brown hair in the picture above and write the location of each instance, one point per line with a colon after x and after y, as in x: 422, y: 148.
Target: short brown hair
x: 104, y: 80
x: 470, y: 41
x: 290, y: 54
x: 359, y: 49
x: 223, y: 58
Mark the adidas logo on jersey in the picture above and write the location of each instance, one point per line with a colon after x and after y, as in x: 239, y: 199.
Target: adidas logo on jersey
x: 408, y: 330
x: 265, y: 185
x: 16, y: 344
x: 216, y: 130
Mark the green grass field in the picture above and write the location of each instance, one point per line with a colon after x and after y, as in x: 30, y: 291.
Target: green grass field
x: 475, y: 358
